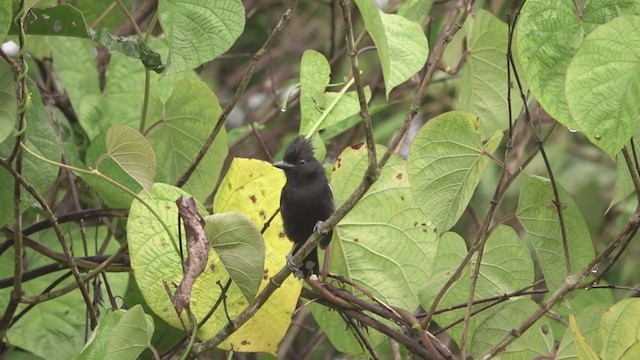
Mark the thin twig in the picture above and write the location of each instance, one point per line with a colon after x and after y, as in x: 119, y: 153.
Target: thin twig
x: 236, y: 97
x: 571, y: 282
x: 81, y: 283
x: 276, y: 281
x: 352, y: 53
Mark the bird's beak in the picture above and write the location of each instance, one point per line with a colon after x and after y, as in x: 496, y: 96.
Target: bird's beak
x: 283, y: 165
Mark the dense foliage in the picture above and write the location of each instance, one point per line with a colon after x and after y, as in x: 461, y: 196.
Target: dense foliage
x: 482, y: 156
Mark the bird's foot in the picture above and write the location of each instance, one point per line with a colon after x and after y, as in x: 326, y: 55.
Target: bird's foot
x: 297, y: 272
x: 317, y: 228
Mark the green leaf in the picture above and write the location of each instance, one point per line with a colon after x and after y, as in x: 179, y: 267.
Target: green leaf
x: 60, y: 20
x: 587, y: 318
x: 624, y: 184
x: 538, y: 214
x: 75, y: 65
x: 5, y: 19
x: 535, y: 342
x: 8, y: 105
x: 483, y: 85
x: 199, y: 30
x: 361, y: 250
x: 506, y: 267
x: 94, y: 10
x: 41, y: 138
x: 446, y: 164
x: 322, y: 109
x: 121, y: 334
x: 112, y: 195
x: 401, y: 44
x: 415, y: 10
x: 55, y: 329
x: 155, y: 258
x: 131, y: 47
x: 603, y: 82
x: 361, y: 247
x: 182, y: 111
x: 240, y: 247
x: 253, y: 187
x: 584, y: 350
x: 129, y: 149
x: 549, y: 35
x: 120, y: 102
x: 620, y: 330
x: 180, y: 130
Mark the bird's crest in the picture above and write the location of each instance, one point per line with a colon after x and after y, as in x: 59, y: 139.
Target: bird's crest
x: 300, y: 148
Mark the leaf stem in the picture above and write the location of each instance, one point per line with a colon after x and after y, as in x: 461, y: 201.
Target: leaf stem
x: 95, y: 172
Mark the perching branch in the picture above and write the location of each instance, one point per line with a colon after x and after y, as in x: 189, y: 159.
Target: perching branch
x: 452, y: 26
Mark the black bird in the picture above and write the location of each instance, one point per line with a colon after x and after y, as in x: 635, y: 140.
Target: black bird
x: 306, y: 201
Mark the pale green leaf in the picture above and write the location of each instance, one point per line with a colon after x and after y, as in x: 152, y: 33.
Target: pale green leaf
x: 129, y: 149
x: 322, y: 109
x: 549, y: 34
x: 199, y: 30
x: 401, y: 44
x: 40, y: 138
x: 155, y: 257
x: 415, y: 10
x: 112, y: 195
x: 603, y: 83
x: 584, y: 350
x: 120, y: 102
x: 539, y: 216
x: 446, y: 164
x: 121, y: 334
x: 535, y: 342
x: 587, y: 318
x: 620, y: 331
x: 361, y: 250
x: 240, y: 247
x: 8, y: 105
x: 179, y: 132
x: 506, y: 267
x: 483, y: 87
x: 5, y: 18
x: 55, y: 329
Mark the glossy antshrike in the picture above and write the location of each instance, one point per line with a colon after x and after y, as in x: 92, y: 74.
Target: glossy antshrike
x: 305, y: 202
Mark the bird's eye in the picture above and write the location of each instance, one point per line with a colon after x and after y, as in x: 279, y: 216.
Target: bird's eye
x: 302, y: 162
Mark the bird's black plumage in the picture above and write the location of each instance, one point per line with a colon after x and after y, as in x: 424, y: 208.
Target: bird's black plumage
x: 306, y: 200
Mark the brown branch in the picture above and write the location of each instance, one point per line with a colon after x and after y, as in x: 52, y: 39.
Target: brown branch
x: 571, y: 282
x: 372, y: 170
x: 239, y: 92
x: 83, y: 279
x: 411, y: 344
x: 90, y: 262
x: 450, y: 29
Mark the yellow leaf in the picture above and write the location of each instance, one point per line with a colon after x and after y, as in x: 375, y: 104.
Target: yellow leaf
x: 253, y: 188
x: 584, y: 351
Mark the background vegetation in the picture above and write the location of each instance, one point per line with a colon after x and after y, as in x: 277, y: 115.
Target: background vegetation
x: 468, y: 224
